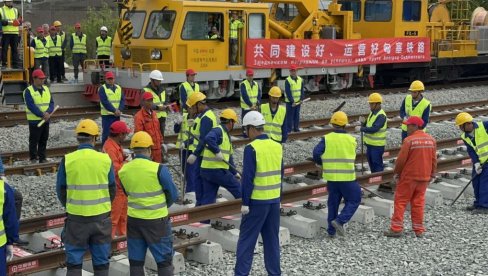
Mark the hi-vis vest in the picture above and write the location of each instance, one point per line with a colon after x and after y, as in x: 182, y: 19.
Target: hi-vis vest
x: 113, y: 97
x: 183, y: 134
x: 9, y: 14
x: 209, y: 161
x: 79, y: 46
x: 104, y: 47
x: 87, y: 182
x: 296, y: 89
x: 145, y: 196
x: 252, y: 94
x: 41, y: 50
x: 378, y: 138
x: 417, y: 111
x: 267, y: 180
x: 189, y: 90
x: 41, y: 101
x: 338, y: 158
x: 273, y: 124
x: 54, y: 46
x: 63, y: 37
x: 158, y: 100
x: 234, y: 25
x: 3, y: 236
x: 481, y: 140
x: 195, y: 130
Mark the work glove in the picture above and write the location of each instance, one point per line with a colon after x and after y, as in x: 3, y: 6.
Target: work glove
x: 16, y: 23
x: 362, y: 120
x: 478, y: 168
x: 357, y: 128
x: 238, y: 176
x: 396, y: 178
x: 244, y: 210
x: 190, y: 122
x: 4, y: 178
x: 295, y: 104
x: 191, y: 159
x: 10, y: 252
x: 219, y: 156
x: 165, y: 148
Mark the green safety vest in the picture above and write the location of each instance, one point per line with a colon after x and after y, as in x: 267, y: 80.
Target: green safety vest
x: 417, y: 111
x: 209, y: 161
x: 252, y: 93
x: 267, y: 180
x: 481, y: 140
x: 378, y: 138
x: 41, y: 101
x: 215, y: 36
x: 158, y: 100
x: 41, y: 50
x: 54, y: 48
x: 3, y: 236
x: 183, y: 135
x: 79, y: 46
x: 63, y: 37
x: 145, y: 195
x: 296, y: 89
x: 195, y: 130
x: 104, y: 47
x: 273, y: 124
x: 87, y: 180
x: 189, y: 90
x: 113, y: 97
x: 339, y: 156
x: 234, y: 25
x: 9, y: 14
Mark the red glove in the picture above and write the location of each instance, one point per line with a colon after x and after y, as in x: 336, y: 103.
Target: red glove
x: 16, y: 23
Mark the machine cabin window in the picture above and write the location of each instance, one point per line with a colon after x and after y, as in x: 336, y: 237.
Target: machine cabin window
x: 160, y: 25
x: 378, y: 10
x: 256, y: 25
x: 286, y: 12
x: 198, y: 25
x: 411, y: 10
x: 354, y: 6
x: 137, y: 20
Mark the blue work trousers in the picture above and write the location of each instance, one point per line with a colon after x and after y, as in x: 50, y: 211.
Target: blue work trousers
x: 3, y: 261
x: 292, y: 117
x: 149, y: 237
x: 262, y: 219
x: 107, y: 121
x: 351, y: 192
x: 480, y: 186
x: 243, y: 113
x: 193, y: 179
x: 375, y: 157
x: 215, y: 178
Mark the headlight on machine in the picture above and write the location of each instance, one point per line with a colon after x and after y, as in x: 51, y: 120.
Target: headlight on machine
x: 156, y: 54
x: 125, y: 53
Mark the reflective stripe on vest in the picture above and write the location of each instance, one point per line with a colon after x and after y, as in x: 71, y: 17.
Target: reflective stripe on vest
x: 209, y: 161
x: 113, y: 97
x: 378, y: 138
x: 41, y: 101
x: 183, y: 134
x: 79, y: 46
x: 417, y: 111
x: 267, y: 180
x: 87, y: 182
x: 296, y: 89
x: 189, y: 90
x: 54, y: 48
x: 252, y: 93
x: 273, y: 123
x: 481, y: 140
x: 339, y: 156
x: 9, y: 14
x: 145, y: 196
x: 41, y: 50
x: 234, y: 25
x: 195, y: 130
x: 3, y: 236
x: 158, y: 100
x: 104, y: 46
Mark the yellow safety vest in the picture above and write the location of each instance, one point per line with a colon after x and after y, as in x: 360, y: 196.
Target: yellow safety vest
x: 189, y: 90
x: 273, y: 124
x: 79, y: 45
x: 41, y: 101
x: 481, y: 140
x: 215, y: 36
x: 113, y: 97
x: 267, y: 180
x: 252, y: 93
x: 54, y: 48
x: 3, y: 236
x: 41, y: 50
x: 145, y: 195
x: 183, y: 135
x: 158, y: 100
x: 234, y: 25
x: 104, y: 47
x: 195, y: 130
x: 339, y: 156
x: 296, y: 88
x: 417, y: 111
x: 63, y: 37
x: 378, y: 138
x: 9, y: 14
x: 209, y: 161
x: 87, y: 180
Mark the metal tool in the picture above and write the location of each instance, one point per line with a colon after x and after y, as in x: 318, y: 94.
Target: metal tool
x: 464, y: 189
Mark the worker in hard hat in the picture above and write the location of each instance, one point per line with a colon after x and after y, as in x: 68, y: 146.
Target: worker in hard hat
x: 294, y: 93
x: 54, y: 43
x: 11, y: 20
x: 104, y: 47
x: 150, y: 191
x: 187, y: 88
x: 146, y: 120
x: 415, y: 104
x: 415, y: 168
x: 112, y: 102
x: 475, y: 137
x: 275, y: 116
x: 250, y: 93
x: 159, y: 97
x: 217, y: 155
x: 41, y: 52
x: 336, y: 153
x: 262, y: 177
x: 86, y: 187
x: 78, y: 49
x: 374, y: 128
x: 62, y: 34
x: 205, y: 120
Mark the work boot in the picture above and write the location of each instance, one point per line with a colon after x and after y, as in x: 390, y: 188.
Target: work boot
x: 43, y: 161
x: 64, y: 78
x: 470, y: 208
x: 480, y: 211
x: 338, y: 227
x: 392, y: 234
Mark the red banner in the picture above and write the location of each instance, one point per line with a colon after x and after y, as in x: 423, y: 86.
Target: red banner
x: 281, y: 53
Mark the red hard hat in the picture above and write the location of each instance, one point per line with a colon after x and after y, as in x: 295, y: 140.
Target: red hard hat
x: 109, y: 75
x: 119, y: 127
x: 293, y: 67
x: 249, y: 72
x: 40, y: 30
x: 147, y: 96
x: 190, y: 72
x: 38, y: 74
x: 414, y: 120
x: 78, y: 25
x: 52, y: 28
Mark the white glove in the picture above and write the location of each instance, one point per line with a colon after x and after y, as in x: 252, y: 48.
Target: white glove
x: 191, y: 159
x: 165, y: 148
x: 432, y: 180
x: 478, y: 168
x: 4, y: 178
x: 238, y: 176
x: 190, y: 122
x: 10, y: 252
x: 219, y: 156
x: 357, y: 128
x: 179, y: 119
x: 244, y: 210
x: 396, y: 178
x: 362, y: 119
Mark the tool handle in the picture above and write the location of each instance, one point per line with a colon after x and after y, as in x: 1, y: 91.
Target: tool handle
x: 44, y: 121
x: 126, y: 115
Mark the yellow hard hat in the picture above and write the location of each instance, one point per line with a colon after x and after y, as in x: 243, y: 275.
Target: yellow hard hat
x: 375, y: 98
x: 87, y: 126
x: 57, y: 23
x: 417, y: 86
x: 463, y: 118
x: 275, y: 91
x: 229, y: 114
x: 339, y: 118
x: 195, y: 98
x: 141, y: 140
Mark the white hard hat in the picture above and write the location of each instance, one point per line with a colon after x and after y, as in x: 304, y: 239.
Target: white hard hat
x: 253, y: 118
x: 156, y: 75
x: 103, y: 28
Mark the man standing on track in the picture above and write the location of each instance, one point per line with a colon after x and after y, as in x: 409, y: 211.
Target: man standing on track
x: 415, y: 105
x: 159, y: 97
x: 147, y: 120
x: 78, y: 49
x: 293, y: 96
x: 112, y: 102
x: 275, y: 116
x: 54, y: 41
x: 250, y: 93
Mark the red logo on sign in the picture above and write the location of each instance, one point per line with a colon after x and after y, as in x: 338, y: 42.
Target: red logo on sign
x: 321, y: 190
x: 122, y: 245
x: 386, y: 154
x: 179, y: 218
x: 459, y: 142
x: 23, y: 267
x: 375, y: 179
x: 466, y: 162
x: 289, y: 170
x: 55, y: 222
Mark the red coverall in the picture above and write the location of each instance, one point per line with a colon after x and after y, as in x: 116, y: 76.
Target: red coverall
x: 119, y: 205
x: 416, y: 165
x: 148, y: 122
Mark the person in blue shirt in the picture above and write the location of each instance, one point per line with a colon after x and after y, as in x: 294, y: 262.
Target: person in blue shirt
x: 250, y: 94
x: 41, y: 54
x: 294, y: 94
x: 112, y: 102
x: 10, y: 225
x: 415, y: 104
